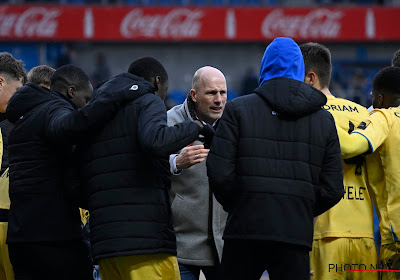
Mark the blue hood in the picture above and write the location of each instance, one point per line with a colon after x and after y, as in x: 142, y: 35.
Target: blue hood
x: 282, y: 58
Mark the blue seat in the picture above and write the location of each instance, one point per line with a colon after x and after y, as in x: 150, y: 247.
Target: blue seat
x: 200, y: 2
x: 166, y: 2
x: 77, y: 2
x: 253, y: 2
x: 177, y: 96
x: 235, y: 2
x: 218, y: 2
x: 231, y: 95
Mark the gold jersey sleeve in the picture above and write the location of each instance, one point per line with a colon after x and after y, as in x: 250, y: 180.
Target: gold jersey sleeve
x: 376, y: 127
x: 4, y: 182
x: 381, y: 129
x: 353, y: 215
x: 84, y: 216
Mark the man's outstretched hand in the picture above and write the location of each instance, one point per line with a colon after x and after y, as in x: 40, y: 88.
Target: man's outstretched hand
x: 190, y: 156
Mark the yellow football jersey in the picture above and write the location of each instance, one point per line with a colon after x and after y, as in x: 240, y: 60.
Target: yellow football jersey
x: 4, y: 182
x: 353, y: 215
x: 1, y: 148
x: 382, y: 130
x: 84, y: 216
x: 4, y: 187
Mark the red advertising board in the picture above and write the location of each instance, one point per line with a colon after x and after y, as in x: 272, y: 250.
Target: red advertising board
x: 134, y: 23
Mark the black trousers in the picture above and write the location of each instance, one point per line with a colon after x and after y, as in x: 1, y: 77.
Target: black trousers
x: 248, y: 259
x: 51, y: 260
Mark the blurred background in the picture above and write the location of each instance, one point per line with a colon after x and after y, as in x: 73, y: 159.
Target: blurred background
x: 104, y: 36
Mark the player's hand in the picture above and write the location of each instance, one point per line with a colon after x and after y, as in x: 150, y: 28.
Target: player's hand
x: 190, y: 156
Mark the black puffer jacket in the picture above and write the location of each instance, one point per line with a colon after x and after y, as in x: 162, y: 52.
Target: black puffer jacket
x: 275, y: 163
x: 44, y: 126
x: 127, y: 177
x: 40, y: 210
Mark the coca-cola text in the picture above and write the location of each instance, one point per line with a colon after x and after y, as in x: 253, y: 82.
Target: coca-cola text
x: 178, y: 23
x: 318, y: 23
x: 33, y: 22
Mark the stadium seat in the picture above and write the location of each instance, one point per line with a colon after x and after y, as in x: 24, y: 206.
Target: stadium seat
x: 177, y: 96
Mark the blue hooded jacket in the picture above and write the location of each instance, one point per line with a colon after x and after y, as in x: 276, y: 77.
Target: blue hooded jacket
x: 282, y: 58
x: 282, y: 80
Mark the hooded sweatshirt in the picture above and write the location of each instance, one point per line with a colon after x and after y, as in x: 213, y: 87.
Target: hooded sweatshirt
x: 282, y: 58
x: 275, y: 160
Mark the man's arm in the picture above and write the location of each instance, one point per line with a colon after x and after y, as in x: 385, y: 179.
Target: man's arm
x: 155, y: 136
x: 221, y: 161
x: 68, y: 124
x: 73, y: 180
x: 330, y: 189
x: 352, y: 145
x: 368, y: 136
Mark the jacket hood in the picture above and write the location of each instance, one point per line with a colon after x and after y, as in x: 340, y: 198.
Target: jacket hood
x: 26, y: 98
x: 122, y: 82
x: 288, y: 97
x: 282, y: 58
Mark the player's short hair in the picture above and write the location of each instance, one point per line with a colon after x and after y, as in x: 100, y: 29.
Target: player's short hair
x: 68, y: 75
x: 148, y: 68
x: 12, y: 68
x: 40, y: 74
x: 396, y: 59
x: 317, y: 58
x: 387, y: 81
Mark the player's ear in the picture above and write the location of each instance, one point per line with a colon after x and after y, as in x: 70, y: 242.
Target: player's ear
x: 381, y: 100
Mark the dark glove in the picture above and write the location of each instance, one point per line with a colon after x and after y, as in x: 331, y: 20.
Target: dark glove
x: 208, y: 134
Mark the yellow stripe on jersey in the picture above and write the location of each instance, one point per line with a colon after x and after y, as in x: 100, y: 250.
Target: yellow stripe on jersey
x: 352, y: 216
x: 382, y: 129
x: 4, y: 181
x: 4, y: 188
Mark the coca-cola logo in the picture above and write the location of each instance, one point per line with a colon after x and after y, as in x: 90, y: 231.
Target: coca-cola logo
x: 33, y: 22
x: 318, y: 23
x: 178, y: 23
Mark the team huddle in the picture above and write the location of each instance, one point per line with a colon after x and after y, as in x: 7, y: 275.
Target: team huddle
x: 284, y: 179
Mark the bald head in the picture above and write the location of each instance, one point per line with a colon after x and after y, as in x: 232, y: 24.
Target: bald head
x: 209, y: 93
x: 203, y: 74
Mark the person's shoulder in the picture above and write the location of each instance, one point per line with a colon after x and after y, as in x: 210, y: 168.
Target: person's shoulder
x: 174, y: 110
x: 150, y: 100
x: 176, y: 114
x: 245, y: 100
x: 58, y: 101
x: 390, y: 114
x: 395, y: 111
x: 324, y: 115
x: 381, y: 111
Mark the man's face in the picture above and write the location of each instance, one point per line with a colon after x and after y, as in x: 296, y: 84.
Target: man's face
x: 162, y: 89
x: 7, y: 89
x: 210, y: 97
x: 307, y: 79
x: 82, y: 96
x: 377, y: 99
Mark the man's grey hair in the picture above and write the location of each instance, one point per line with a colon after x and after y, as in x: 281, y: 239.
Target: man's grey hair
x: 40, y: 74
